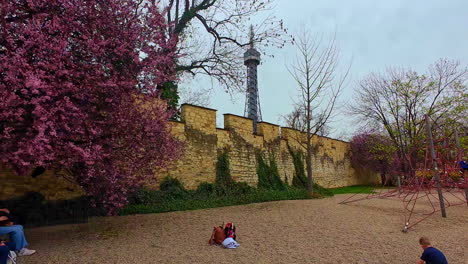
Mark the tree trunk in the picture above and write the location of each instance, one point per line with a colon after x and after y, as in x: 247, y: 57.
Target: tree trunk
x: 383, y: 178
x: 310, y: 182
x: 434, y: 164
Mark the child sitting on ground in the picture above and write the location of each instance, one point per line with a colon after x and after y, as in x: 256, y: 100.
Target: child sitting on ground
x: 430, y: 255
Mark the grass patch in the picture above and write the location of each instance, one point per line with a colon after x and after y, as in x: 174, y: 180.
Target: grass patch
x: 358, y: 189
x: 324, y: 192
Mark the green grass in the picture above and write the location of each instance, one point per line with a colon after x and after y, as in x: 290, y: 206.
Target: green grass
x: 353, y: 189
x: 194, y: 201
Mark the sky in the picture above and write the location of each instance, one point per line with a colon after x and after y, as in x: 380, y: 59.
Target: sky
x: 371, y: 35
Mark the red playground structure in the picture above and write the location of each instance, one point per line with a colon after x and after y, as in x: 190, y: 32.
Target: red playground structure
x: 441, y: 182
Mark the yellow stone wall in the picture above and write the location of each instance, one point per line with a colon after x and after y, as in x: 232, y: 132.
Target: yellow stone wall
x: 331, y: 158
x: 198, y: 162
x: 203, y: 142
x: 51, y: 186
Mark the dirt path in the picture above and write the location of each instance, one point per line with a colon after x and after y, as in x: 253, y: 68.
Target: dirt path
x: 309, y: 231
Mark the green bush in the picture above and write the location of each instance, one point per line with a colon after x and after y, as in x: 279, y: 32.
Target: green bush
x: 240, y: 188
x: 145, y: 196
x: 173, y: 189
x: 206, y: 189
x: 255, y: 196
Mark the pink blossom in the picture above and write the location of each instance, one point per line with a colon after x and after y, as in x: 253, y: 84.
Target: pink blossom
x: 70, y: 73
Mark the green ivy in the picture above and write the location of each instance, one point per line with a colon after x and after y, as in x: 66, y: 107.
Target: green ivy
x: 299, y: 178
x: 169, y: 92
x: 268, y: 175
x: 223, y: 173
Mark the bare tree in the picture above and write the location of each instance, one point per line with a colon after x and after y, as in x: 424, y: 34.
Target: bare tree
x: 319, y: 83
x: 297, y: 119
x: 398, y: 100
x: 212, y: 34
x: 200, y: 97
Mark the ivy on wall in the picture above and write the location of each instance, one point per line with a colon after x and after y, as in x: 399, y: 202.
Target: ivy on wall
x: 223, y: 173
x: 169, y: 92
x: 268, y: 175
x: 299, y: 178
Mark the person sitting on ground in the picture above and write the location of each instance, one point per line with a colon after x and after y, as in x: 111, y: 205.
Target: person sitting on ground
x: 231, y: 237
x: 430, y: 255
x: 6, y: 213
x: 16, y: 233
x: 5, y: 249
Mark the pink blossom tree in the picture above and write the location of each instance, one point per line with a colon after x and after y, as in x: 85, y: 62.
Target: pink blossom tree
x: 375, y: 152
x: 78, y: 92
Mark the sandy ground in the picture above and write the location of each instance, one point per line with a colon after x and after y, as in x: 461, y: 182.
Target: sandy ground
x: 309, y: 231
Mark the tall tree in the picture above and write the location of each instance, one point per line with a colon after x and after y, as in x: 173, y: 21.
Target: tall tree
x: 319, y: 83
x: 213, y: 33
x: 397, y: 101
x: 78, y: 92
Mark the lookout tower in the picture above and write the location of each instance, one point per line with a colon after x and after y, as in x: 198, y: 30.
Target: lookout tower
x: 252, y: 101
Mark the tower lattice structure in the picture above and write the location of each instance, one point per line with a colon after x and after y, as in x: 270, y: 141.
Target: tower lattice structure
x: 252, y: 102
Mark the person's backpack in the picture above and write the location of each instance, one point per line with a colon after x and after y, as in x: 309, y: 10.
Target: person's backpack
x: 218, y: 236
x: 230, y: 230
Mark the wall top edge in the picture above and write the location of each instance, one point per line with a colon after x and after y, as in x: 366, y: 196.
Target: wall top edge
x: 263, y: 122
x: 347, y: 142
x: 238, y: 116
x: 202, y: 107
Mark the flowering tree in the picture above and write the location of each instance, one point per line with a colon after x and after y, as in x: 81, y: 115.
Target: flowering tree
x: 78, y: 92
x: 374, y: 152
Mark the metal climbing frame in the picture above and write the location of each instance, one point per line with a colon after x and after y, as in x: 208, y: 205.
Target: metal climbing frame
x: 420, y: 190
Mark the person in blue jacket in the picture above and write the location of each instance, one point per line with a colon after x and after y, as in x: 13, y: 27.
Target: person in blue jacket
x: 430, y: 255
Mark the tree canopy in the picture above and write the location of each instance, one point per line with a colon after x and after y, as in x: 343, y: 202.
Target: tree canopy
x: 397, y: 100
x: 78, y: 92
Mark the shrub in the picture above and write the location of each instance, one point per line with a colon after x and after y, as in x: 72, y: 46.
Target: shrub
x: 173, y: 189
x: 145, y: 196
x: 240, y: 188
x: 206, y: 189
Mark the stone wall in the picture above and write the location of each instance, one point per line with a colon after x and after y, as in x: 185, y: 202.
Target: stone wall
x: 51, y: 186
x: 204, y: 142
x: 331, y: 157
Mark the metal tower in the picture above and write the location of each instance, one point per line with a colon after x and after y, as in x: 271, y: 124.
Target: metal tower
x: 252, y: 101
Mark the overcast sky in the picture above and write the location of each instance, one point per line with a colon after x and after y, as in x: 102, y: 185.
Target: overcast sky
x: 374, y: 34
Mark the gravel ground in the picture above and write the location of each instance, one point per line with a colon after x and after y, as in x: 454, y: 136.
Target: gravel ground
x: 308, y: 231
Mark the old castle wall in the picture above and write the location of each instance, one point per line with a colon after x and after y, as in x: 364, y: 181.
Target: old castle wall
x: 203, y: 142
